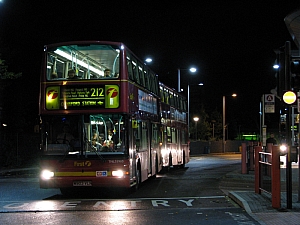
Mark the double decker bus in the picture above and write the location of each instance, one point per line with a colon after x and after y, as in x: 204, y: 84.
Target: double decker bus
x: 175, y: 148
x: 105, y: 119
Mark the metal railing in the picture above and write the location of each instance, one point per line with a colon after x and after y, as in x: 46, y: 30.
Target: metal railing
x: 267, y: 173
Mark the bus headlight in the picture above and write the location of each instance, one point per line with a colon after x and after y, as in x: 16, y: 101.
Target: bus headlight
x: 47, y: 174
x: 283, y: 149
x: 117, y: 173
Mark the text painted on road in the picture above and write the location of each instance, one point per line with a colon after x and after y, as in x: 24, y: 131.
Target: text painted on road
x: 110, y: 204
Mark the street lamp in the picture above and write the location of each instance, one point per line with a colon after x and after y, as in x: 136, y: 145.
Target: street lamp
x: 192, y: 70
x: 213, y: 129
x: 196, y: 119
x: 148, y: 60
x: 224, y: 139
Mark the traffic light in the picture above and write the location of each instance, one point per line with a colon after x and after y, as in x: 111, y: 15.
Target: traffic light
x: 295, y: 77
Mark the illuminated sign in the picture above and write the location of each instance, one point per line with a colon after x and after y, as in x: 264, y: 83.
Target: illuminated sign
x: 83, y: 97
x: 289, y: 97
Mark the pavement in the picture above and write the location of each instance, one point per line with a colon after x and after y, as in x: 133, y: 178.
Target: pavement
x: 259, y: 206
x: 240, y: 188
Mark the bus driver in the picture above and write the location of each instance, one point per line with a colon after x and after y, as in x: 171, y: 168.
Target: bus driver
x: 65, y: 137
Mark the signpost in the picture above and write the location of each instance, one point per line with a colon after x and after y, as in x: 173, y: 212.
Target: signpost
x: 269, y: 103
x: 289, y: 97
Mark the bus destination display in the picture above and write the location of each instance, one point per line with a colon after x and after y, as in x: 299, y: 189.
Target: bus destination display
x: 83, y: 97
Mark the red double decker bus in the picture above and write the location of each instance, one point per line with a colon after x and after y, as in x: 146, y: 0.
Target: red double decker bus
x: 105, y: 119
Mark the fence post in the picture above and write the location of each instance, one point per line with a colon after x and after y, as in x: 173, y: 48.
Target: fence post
x: 257, y: 169
x: 244, y: 158
x: 276, y: 195
x: 251, y: 156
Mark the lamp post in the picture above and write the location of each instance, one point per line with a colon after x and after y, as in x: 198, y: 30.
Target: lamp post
x: 213, y: 128
x: 196, y: 119
x: 178, y: 74
x: 192, y: 70
x: 224, y: 124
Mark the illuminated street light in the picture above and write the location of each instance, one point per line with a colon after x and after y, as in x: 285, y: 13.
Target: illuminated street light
x: 192, y: 70
x: 196, y: 119
x: 148, y: 60
x: 224, y: 124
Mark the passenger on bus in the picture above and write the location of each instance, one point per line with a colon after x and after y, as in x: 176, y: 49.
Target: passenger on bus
x: 65, y: 137
x: 112, y: 139
x: 107, y: 73
x: 72, y: 74
x: 108, y: 146
x: 101, y: 138
x: 54, y: 76
x: 95, y: 136
x: 96, y: 145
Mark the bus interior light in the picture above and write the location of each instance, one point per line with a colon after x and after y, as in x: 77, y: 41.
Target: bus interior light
x: 79, y: 62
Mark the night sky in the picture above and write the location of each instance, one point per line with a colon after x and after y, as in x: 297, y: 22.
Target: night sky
x: 230, y: 42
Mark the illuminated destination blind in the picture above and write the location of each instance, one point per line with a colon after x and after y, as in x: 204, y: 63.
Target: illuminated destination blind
x: 83, y: 97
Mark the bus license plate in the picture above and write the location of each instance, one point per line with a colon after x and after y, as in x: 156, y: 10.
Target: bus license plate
x: 82, y: 183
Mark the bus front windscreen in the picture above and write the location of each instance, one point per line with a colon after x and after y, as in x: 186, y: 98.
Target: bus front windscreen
x: 97, y: 134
